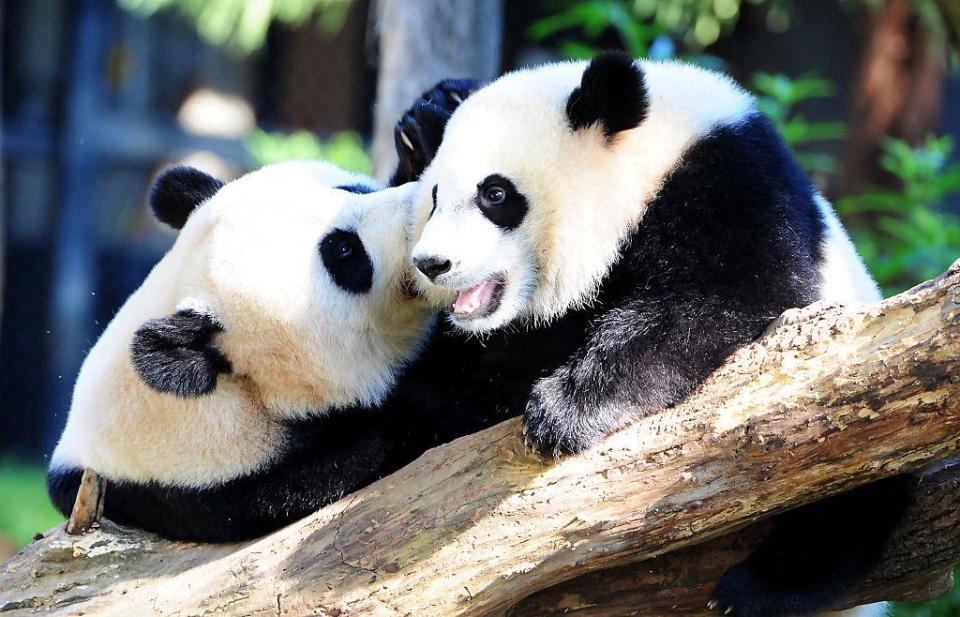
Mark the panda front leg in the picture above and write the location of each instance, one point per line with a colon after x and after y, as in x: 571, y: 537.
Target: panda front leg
x: 636, y: 360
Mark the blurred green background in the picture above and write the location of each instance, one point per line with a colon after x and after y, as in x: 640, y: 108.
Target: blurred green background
x: 99, y: 94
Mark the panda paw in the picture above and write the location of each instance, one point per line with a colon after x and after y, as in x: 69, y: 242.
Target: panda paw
x: 734, y: 593
x: 448, y: 94
x: 410, y: 149
x: 743, y: 592
x: 553, y: 425
x: 418, y: 133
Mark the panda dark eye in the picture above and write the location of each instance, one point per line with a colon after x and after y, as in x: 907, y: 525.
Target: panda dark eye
x: 494, y: 195
x: 500, y: 201
x: 346, y: 260
x: 344, y: 249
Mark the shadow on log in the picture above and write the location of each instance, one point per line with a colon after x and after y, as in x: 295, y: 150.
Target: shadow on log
x: 829, y: 399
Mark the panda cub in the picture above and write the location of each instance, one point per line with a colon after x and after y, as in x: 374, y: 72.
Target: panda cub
x: 238, y: 388
x: 610, y: 232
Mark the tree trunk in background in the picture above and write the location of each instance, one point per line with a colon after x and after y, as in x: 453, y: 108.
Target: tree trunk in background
x: 899, y: 90
x: 422, y: 42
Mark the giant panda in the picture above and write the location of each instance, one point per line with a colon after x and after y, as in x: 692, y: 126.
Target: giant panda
x: 607, y: 233
x: 239, y: 387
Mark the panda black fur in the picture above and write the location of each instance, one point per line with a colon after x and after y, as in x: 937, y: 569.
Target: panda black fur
x: 240, y: 387
x: 611, y: 232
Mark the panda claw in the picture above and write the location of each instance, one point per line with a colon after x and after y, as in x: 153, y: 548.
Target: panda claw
x: 712, y: 604
x: 406, y: 140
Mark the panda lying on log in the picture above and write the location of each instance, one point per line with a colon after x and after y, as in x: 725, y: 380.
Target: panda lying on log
x: 244, y: 384
x: 238, y: 388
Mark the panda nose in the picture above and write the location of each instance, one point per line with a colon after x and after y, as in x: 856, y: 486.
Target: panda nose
x: 432, y: 267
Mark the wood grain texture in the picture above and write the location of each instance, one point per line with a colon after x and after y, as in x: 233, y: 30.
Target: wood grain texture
x: 831, y: 398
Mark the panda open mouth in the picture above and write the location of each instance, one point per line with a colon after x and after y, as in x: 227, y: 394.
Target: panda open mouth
x: 480, y: 300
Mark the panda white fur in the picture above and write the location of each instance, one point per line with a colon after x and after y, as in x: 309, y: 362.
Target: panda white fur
x: 237, y: 389
x: 611, y: 232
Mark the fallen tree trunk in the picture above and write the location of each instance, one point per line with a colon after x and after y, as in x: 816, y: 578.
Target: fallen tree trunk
x: 828, y: 400
x: 916, y: 565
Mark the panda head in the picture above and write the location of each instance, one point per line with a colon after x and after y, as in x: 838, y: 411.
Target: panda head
x: 541, y: 175
x: 287, y: 293
x: 297, y: 288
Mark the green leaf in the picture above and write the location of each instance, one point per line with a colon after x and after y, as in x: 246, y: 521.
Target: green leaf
x: 345, y: 149
x: 242, y: 25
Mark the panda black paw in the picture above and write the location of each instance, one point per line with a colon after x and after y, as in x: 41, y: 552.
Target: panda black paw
x: 450, y: 93
x: 418, y: 133
x: 410, y: 149
x: 743, y: 591
x: 736, y: 594
x: 553, y: 425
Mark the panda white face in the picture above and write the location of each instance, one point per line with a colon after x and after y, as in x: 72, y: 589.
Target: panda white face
x: 543, y: 173
x: 310, y: 284
x: 282, y: 297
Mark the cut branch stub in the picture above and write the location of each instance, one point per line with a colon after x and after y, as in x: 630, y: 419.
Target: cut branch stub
x: 88, y: 506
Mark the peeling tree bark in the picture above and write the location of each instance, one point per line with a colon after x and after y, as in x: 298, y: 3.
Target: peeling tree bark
x: 831, y: 398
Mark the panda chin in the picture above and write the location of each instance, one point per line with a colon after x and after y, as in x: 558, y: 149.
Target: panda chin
x: 480, y: 301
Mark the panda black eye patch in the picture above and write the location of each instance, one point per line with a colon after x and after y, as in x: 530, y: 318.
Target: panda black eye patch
x: 501, y: 202
x: 347, y: 261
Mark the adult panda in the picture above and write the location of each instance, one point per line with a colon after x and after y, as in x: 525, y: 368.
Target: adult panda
x: 238, y: 388
x: 610, y: 232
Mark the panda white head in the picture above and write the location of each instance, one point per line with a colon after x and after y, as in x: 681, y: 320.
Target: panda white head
x: 282, y: 296
x: 541, y: 175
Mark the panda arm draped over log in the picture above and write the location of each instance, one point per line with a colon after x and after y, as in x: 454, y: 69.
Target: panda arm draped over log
x: 240, y: 387
x: 610, y: 232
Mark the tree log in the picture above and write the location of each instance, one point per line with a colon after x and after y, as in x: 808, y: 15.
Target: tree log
x: 830, y: 398
x: 916, y: 565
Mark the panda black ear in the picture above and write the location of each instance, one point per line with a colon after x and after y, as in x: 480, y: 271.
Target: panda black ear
x: 177, y: 192
x: 175, y: 354
x: 612, y: 94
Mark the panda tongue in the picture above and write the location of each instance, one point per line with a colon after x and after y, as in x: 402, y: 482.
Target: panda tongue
x: 470, y: 300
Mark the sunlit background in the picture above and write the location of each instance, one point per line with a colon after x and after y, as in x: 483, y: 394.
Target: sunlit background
x: 99, y: 94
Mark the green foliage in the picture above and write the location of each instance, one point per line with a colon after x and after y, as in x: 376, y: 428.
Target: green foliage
x: 909, y: 236
x: 25, y: 508
x: 593, y: 17
x: 639, y: 23
x: 947, y: 606
x: 778, y: 97
x: 243, y: 24
x: 344, y: 149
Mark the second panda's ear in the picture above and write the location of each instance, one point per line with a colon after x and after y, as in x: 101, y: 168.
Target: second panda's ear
x: 176, y: 355
x: 177, y: 192
x: 612, y: 95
